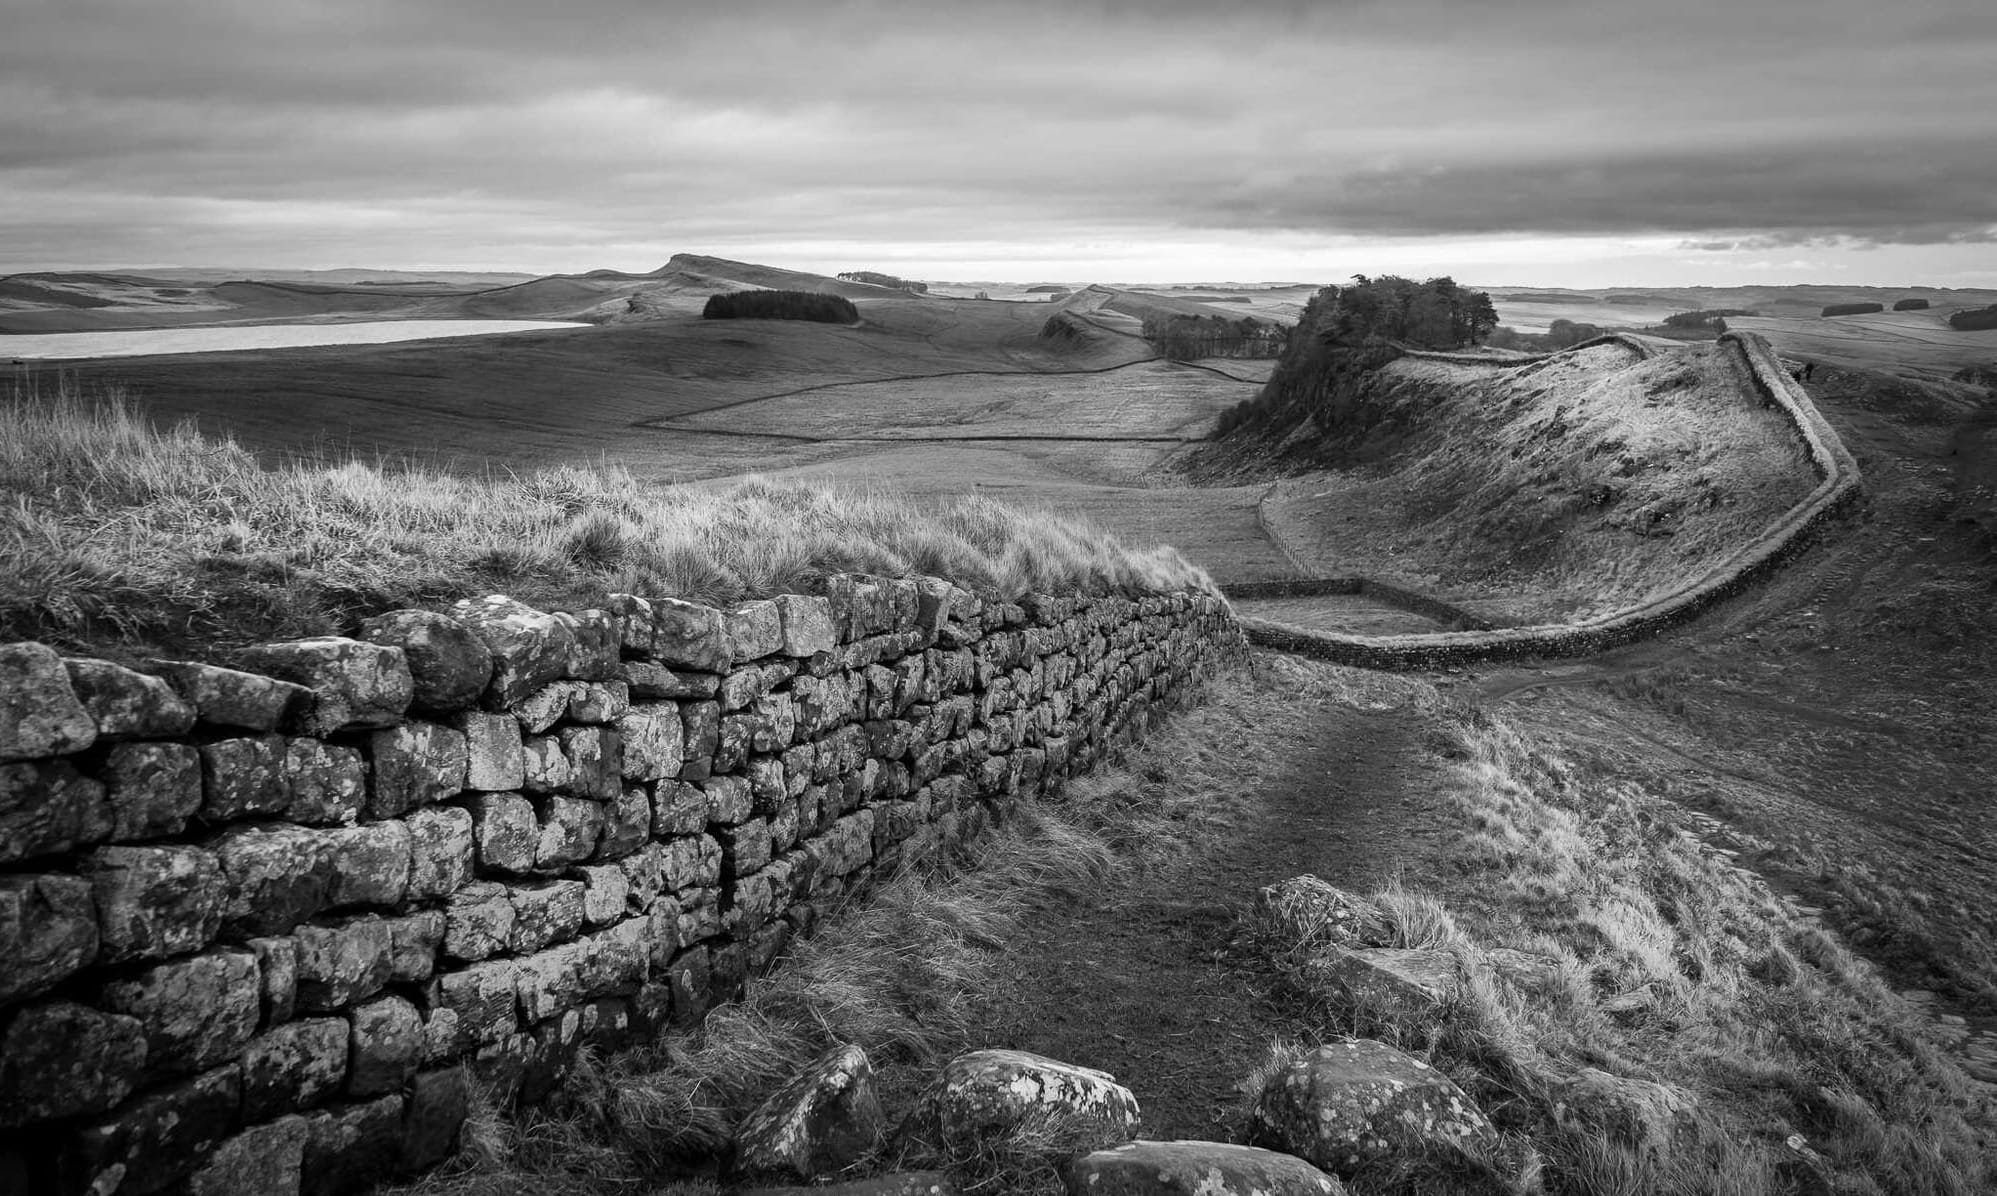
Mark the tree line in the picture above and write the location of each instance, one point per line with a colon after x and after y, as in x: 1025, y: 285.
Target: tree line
x: 876, y: 278
x: 781, y: 305
x: 1188, y: 338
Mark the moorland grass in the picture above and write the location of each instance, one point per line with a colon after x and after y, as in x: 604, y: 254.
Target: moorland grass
x: 114, y: 532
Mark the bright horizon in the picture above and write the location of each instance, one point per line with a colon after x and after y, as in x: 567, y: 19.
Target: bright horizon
x: 1568, y: 144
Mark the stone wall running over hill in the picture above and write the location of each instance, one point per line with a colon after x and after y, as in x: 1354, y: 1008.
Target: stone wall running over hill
x: 261, y: 930
x: 1838, y: 485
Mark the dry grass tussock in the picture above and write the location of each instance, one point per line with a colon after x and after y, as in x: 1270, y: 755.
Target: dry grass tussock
x: 112, y: 530
x: 906, y: 973
x: 1717, y: 1024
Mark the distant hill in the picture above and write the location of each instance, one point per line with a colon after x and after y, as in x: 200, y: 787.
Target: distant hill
x: 721, y: 273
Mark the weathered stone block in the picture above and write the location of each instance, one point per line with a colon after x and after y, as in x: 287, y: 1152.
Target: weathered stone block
x: 157, y: 1140
x: 645, y: 870
x: 596, y: 762
x: 529, y: 649
x: 506, y: 831
x: 197, y: 1012
x: 776, y: 727
x: 649, y: 680
x: 277, y: 877
x: 232, y: 698
x: 550, y: 981
x: 39, y: 711
x: 126, y: 704
x: 745, y: 847
x: 550, y: 912
x: 600, y: 701
x: 617, y: 959
x: 689, y: 636
x: 570, y: 829
x: 47, y: 807
x: 61, y: 1059
x: 690, y: 975
x: 606, y: 893
x: 627, y: 824
x: 546, y: 706
x: 678, y: 808
x: 493, y: 749
x: 352, y: 1147
x: 415, y: 764
x: 342, y: 962
x: 1144, y: 1168
x: 48, y: 932
x: 354, y: 683
x: 439, y: 1102
x: 751, y: 681
x: 264, y: 1160
x: 702, y: 721
x: 449, y: 667
x: 654, y: 741
x: 478, y: 922
x: 328, y: 783
x: 984, y: 1094
x: 1347, y: 1103
x: 754, y: 630
x: 441, y: 847
x: 729, y: 799
x: 484, y: 1001
x: 294, y: 1066
x: 598, y: 638
x: 806, y: 626
x: 634, y: 621
x: 370, y: 864
x: 692, y: 863
x: 277, y: 971
x: 413, y: 943
x: 241, y: 778
x: 767, y: 783
x: 386, y: 1046
x: 153, y: 902
x: 547, y: 768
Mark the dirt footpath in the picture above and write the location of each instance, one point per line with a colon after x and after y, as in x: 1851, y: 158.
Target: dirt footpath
x: 1129, y: 978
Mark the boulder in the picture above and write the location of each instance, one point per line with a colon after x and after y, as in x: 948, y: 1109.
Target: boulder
x: 126, y: 704
x: 449, y: 667
x: 354, y: 684
x: 528, y: 648
x: 900, y: 1183
x: 1342, y: 1106
x: 39, y: 712
x: 826, y: 1118
x: 1656, y: 1119
x: 1386, y: 981
x: 1306, y: 912
x: 985, y: 1095
x: 232, y: 698
x: 1144, y: 1168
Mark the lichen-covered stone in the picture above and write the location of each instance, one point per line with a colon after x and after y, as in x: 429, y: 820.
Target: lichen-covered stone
x: 439, y: 1102
x: 1347, y: 1104
x: 441, y: 849
x: 648, y: 679
x: 546, y: 706
x: 413, y: 942
x: 545, y: 913
x: 692, y: 863
x: 61, y: 1059
x: 689, y: 636
x: 806, y: 625
x: 370, y: 864
x: 328, y: 783
x: 277, y: 877
x: 703, y: 738
x: 415, y: 764
x: 1386, y: 981
x: 47, y: 807
x: 745, y: 847
x: 654, y: 741
x: 263, y: 1160
x: 627, y: 824
x: 754, y: 630
x: 606, y: 893
x: 355, y: 684
x: 154, y: 902
x: 529, y: 648
x: 678, y: 808
x: 39, y: 711
x: 1306, y: 911
x: 277, y: 970
x: 987, y: 1094
x: 1182, y: 1168
x: 294, y: 1066
x: 152, y: 788
x: 550, y: 981
x: 483, y: 1000
x: 126, y: 704
x: 478, y: 923
x: 350, y: 1148
x: 157, y: 1139
x: 598, y: 638
x: 825, y: 1118
x: 595, y: 756
x: 243, y: 778
x: 898, y: 1183
x: 570, y: 829
x: 599, y: 701
x: 386, y: 1046
x: 449, y: 667
x: 546, y: 767
x: 197, y: 1012
x: 506, y: 831
x: 1658, y: 1120
x: 342, y: 962
x: 232, y: 698
x: 493, y: 750
x: 48, y: 932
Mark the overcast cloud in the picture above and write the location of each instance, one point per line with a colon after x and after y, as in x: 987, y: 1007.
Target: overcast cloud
x: 1012, y: 138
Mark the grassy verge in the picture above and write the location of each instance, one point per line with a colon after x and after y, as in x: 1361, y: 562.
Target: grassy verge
x: 114, y: 531
x: 1640, y: 1016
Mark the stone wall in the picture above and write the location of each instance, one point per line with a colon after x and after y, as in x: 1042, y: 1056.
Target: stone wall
x: 262, y: 929
x: 1838, y: 486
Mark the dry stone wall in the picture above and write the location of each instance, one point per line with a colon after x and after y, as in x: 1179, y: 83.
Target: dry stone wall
x: 262, y: 928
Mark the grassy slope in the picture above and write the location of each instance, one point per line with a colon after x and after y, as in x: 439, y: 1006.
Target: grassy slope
x: 1573, y: 486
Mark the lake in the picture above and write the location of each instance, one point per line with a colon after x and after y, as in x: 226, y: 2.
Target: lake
x: 151, y: 342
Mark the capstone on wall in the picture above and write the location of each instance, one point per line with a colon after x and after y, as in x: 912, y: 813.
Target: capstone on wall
x: 261, y: 929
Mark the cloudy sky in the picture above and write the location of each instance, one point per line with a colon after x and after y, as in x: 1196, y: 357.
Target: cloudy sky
x: 1557, y: 142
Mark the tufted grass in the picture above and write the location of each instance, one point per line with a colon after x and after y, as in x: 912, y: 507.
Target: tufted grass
x: 113, y: 532
x: 1648, y: 957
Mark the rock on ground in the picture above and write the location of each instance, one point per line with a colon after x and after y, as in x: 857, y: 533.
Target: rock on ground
x: 1347, y: 1104
x: 986, y: 1095
x: 1195, y: 1169
x: 825, y: 1118
x: 1308, y: 911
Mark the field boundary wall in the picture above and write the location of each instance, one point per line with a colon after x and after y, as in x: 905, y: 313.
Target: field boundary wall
x: 1839, y: 484
x: 262, y: 929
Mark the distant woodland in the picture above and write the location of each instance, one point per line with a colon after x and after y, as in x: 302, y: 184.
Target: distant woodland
x: 1189, y: 338
x: 876, y: 278
x: 781, y: 305
x: 1980, y: 320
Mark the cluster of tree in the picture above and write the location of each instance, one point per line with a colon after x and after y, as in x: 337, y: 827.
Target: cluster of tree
x: 1563, y: 334
x: 1982, y: 319
x: 1188, y: 338
x: 876, y: 278
x: 1911, y: 305
x: 781, y: 305
x: 1853, y: 309
x: 1434, y: 314
x: 1707, y: 317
